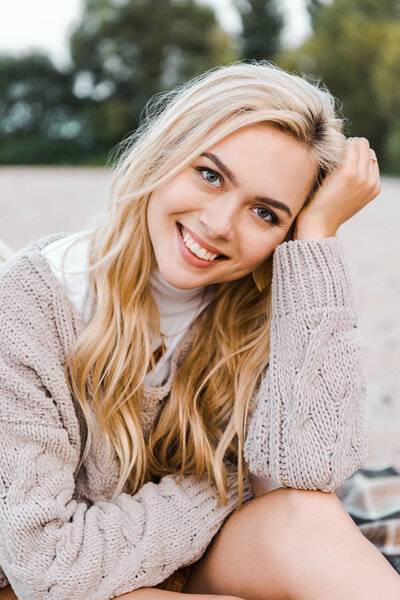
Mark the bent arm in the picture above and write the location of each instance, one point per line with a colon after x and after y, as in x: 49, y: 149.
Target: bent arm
x: 309, y: 427
x: 53, y: 545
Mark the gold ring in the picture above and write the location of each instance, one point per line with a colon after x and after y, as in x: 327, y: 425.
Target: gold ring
x: 373, y: 159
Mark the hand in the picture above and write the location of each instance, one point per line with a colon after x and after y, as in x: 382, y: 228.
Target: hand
x: 344, y: 192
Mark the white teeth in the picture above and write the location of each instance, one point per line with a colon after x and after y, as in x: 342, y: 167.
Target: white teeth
x: 202, y: 253
x: 196, y: 249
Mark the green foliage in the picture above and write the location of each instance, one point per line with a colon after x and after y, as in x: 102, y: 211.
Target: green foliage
x: 262, y: 23
x: 355, y: 50
x: 39, y: 120
x: 123, y: 52
x: 126, y: 52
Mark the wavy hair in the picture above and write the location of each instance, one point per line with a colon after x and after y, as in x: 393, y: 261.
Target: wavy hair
x: 202, y: 425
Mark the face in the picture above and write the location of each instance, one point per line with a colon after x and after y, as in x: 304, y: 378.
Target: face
x: 237, y: 201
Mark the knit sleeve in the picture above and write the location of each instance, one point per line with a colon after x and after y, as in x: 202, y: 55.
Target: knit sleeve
x: 52, y: 546
x: 309, y: 427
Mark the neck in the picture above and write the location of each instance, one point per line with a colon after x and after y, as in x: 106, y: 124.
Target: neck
x: 166, y: 294
x: 177, y: 307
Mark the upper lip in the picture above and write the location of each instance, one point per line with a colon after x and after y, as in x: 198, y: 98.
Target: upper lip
x: 201, y: 242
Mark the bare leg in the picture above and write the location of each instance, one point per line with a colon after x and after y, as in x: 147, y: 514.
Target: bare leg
x: 293, y: 545
x: 141, y: 594
x: 156, y: 594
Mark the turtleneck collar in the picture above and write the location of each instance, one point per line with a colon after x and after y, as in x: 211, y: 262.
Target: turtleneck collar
x: 171, y: 300
x: 178, y: 307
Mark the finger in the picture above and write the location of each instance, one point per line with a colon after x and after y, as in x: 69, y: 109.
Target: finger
x: 374, y: 174
x: 350, y: 165
x: 373, y: 161
x: 364, y: 159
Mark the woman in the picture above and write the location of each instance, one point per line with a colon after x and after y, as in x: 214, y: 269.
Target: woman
x: 155, y: 370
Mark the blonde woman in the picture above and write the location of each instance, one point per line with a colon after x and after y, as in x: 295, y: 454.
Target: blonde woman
x: 160, y: 373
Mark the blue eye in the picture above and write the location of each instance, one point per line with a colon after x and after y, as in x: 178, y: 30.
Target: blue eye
x: 210, y: 176
x: 214, y: 176
x: 268, y: 213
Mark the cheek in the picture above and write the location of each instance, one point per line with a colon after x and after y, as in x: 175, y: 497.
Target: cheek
x: 156, y: 218
x: 157, y: 208
x: 255, y: 255
x: 150, y: 212
x: 171, y: 198
x: 262, y: 247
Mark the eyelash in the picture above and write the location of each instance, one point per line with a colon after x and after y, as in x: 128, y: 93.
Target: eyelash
x: 201, y: 170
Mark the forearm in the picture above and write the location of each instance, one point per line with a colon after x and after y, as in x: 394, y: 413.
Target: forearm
x: 308, y: 430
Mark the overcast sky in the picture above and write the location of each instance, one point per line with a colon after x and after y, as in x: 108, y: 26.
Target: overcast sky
x: 46, y: 24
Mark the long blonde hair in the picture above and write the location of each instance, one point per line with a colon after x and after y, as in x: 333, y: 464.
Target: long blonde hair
x: 203, y: 421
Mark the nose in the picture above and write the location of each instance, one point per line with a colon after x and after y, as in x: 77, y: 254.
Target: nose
x: 218, y: 218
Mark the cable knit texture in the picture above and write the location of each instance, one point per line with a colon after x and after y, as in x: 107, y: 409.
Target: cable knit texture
x: 61, y: 537
x: 309, y: 429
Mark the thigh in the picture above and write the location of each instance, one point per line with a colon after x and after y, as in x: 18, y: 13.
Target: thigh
x: 246, y: 553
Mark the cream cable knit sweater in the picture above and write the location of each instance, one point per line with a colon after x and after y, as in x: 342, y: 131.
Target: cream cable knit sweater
x: 61, y: 538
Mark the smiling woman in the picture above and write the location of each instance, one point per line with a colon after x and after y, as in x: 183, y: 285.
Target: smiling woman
x: 200, y: 339
x: 246, y: 208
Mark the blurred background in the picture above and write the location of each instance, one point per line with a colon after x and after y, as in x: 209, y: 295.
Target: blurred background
x: 75, y: 76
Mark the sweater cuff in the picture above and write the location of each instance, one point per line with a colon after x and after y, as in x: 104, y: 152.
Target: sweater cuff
x: 310, y: 274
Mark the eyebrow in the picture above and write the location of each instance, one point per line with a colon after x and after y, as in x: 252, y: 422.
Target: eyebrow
x: 226, y: 170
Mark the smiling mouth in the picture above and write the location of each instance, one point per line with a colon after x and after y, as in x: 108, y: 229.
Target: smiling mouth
x: 219, y: 257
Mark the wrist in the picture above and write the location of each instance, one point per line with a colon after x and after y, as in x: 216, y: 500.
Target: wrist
x: 310, y: 231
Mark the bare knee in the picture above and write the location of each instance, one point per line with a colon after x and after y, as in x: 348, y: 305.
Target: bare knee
x: 285, y: 514
x: 265, y: 531
x: 304, y: 504
x: 291, y: 499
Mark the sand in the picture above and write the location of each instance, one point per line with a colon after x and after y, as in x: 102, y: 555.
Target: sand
x: 36, y: 201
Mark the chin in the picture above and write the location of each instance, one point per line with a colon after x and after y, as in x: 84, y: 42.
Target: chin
x: 180, y: 281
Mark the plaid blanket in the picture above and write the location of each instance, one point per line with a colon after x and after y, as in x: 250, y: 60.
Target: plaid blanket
x: 371, y: 496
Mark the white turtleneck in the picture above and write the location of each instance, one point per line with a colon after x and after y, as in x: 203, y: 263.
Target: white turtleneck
x: 178, y: 308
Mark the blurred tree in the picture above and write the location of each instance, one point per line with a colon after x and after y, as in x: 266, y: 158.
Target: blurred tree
x: 355, y: 50
x: 39, y: 121
x: 262, y: 24
x: 124, y: 51
x: 385, y: 78
x: 313, y: 7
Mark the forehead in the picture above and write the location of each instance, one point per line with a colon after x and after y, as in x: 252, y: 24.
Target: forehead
x: 268, y: 162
